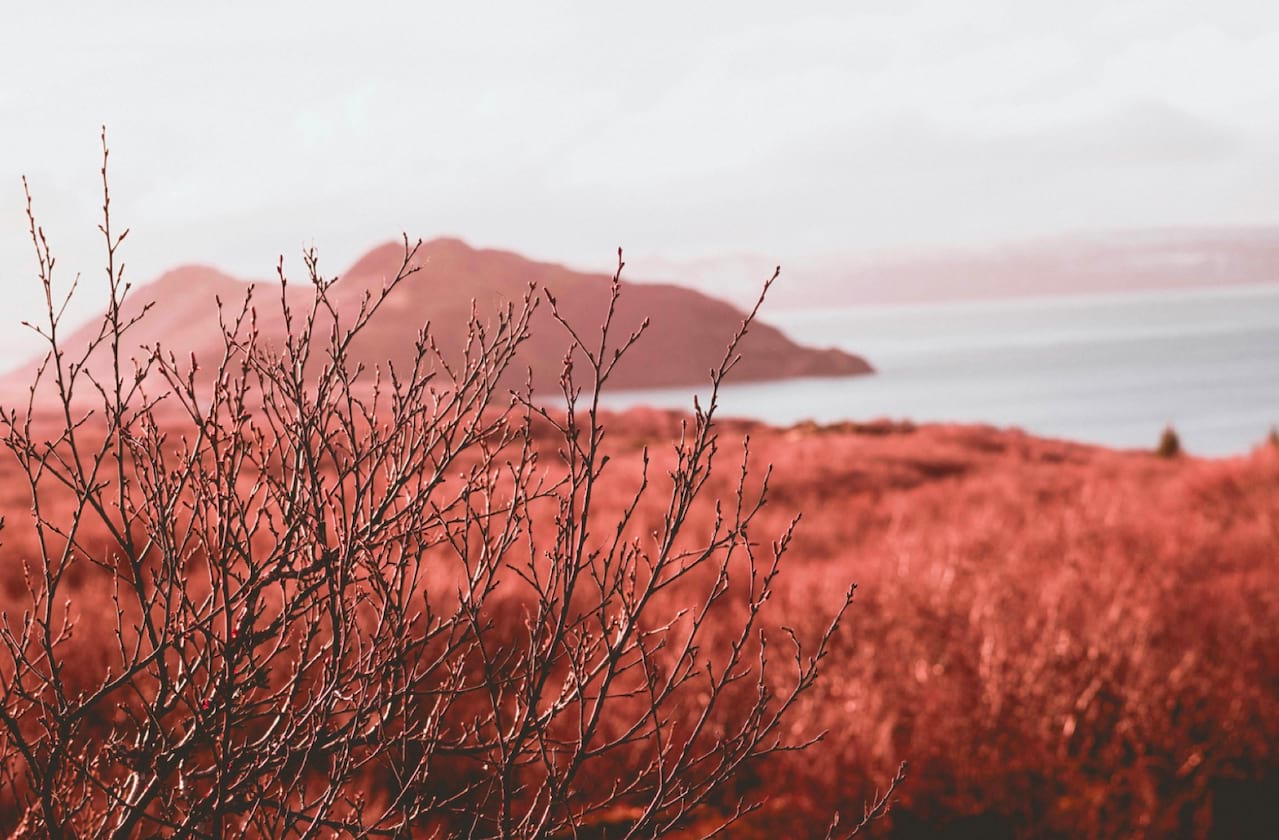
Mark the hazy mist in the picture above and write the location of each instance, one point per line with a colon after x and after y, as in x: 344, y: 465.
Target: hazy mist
x: 244, y: 130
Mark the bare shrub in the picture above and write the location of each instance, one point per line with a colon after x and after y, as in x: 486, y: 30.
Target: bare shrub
x: 287, y: 596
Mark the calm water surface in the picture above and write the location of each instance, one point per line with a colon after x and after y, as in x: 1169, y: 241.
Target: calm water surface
x: 1112, y: 369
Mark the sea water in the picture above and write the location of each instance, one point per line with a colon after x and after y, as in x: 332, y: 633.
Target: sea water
x: 1111, y: 369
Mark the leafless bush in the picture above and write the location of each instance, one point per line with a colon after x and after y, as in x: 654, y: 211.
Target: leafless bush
x: 287, y: 596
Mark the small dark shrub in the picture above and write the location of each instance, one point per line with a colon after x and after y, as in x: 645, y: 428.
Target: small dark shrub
x: 1169, y: 445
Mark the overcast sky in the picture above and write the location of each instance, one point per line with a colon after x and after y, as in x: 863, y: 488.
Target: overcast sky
x: 243, y: 130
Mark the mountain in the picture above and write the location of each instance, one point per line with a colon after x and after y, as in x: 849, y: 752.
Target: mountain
x: 1125, y: 261
x: 687, y: 335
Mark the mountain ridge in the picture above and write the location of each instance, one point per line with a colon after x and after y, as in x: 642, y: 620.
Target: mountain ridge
x: 1099, y: 262
x: 687, y: 336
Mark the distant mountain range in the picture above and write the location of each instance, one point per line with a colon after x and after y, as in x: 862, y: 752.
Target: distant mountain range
x: 1083, y: 264
x: 687, y: 336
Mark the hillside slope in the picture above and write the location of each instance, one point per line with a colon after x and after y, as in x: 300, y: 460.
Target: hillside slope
x: 687, y: 334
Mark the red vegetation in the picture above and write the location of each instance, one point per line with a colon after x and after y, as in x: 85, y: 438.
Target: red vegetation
x: 1061, y: 639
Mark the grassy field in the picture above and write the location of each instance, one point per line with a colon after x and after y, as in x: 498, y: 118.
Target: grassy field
x: 1061, y: 640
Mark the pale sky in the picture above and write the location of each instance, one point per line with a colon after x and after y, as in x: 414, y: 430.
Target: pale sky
x: 243, y: 130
